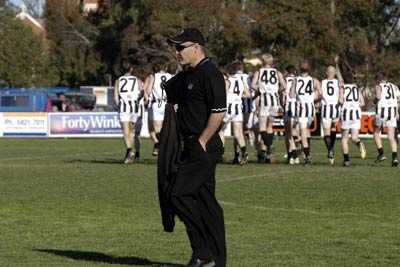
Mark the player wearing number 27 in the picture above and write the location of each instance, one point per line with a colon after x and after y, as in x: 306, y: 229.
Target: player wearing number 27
x: 127, y: 94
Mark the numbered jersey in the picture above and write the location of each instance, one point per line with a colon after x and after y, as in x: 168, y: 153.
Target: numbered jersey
x: 128, y: 89
x: 351, y: 96
x: 268, y: 81
x: 158, y: 93
x: 236, y: 89
x: 330, y: 92
x: 305, y: 91
x: 389, y: 95
x: 289, y: 83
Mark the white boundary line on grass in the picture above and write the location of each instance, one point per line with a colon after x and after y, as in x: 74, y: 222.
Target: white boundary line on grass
x: 298, y: 210
x: 58, y: 156
x: 285, y: 209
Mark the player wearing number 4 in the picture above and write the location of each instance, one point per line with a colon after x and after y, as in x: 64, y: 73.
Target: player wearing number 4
x: 330, y: 109
x: 127, y: 94
x: 386, y: 115
x: 268, y: 81
x: 306, y: 90
x: 236, y: 90
x: 352, y: 101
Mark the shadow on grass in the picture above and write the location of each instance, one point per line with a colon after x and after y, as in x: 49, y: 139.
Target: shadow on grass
x: 104, y: 258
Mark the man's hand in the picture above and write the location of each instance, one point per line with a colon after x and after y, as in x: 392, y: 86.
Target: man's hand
x: 203, y: 144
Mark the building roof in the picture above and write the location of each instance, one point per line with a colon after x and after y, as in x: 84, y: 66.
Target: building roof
x: 27, y: 18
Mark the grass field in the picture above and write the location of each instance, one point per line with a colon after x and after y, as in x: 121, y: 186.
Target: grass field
x: 71, y: 203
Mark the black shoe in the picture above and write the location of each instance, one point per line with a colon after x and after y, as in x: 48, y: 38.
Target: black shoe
x: 236, y: 159
x: 380, y: 158
x: 200, y: 263
x: 307, y: 161
x: 129, y: 158
x: 244, y: 158
x: 395, y: 163
x: 261, y: 157
x: 268, y: 159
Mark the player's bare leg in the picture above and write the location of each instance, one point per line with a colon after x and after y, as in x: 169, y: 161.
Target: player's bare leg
x: 305, y: 133
x: 345, y: 148
x: 239, y: 137
x: 328, y: 142
x: 137, y: 141
x: 393, y: 145
x: 290, y: 143
x: 267, y: 134
x: 378, y: 142
x: 129, y: 135
x: 356, y: 140
x: 157, y: 129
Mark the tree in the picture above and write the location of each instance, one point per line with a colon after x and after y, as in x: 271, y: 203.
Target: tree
x: 72, y: 44
x: 24, y: 61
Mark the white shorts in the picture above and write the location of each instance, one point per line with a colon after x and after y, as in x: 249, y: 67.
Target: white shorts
x: 385, y: 122
x: 327, y: 123
x: 305, y: 122
x: 386, y: 117
x: 330, y: 113
x: 234, y: 113
x: 128, y: 117
x: 269, y: 111
x: 351, y: 118
x: 158, y: 111
x: 350, y: 125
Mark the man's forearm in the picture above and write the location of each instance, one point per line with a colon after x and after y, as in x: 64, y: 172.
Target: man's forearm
x: 214, y: 122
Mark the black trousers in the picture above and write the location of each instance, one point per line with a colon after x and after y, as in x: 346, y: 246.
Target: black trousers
x: 193, y: 200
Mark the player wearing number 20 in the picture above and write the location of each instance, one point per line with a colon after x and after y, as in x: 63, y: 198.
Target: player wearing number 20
x: 306, y: 90
x: 127, y: 94
x: 386, y: 115
x: 352, y: 101
x: 268, y: 81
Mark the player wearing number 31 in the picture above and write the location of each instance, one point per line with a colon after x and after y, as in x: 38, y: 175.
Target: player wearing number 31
x: 386, y: 114
x: 127, y: 94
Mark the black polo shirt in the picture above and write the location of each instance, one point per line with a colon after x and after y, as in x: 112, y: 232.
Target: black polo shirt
x: 198, y: 91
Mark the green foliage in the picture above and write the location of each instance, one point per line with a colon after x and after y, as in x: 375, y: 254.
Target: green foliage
x: 24, y: 61
x: 364, y: 33
x: 72, y: 44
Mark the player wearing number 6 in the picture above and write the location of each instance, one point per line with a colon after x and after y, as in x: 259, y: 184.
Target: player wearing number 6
x: 268, y: 81
x: 127, y: 94
x: 306, y: 90
x: 330, y: 110
x: 386, y: 115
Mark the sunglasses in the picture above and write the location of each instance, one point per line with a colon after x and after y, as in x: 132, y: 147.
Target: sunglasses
x: 179, y: 47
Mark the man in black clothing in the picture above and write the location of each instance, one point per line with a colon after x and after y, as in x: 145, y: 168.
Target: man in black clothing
x: 199, y: 92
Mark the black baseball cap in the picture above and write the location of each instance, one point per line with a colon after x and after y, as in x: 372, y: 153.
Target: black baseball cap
x: 187, y: 35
